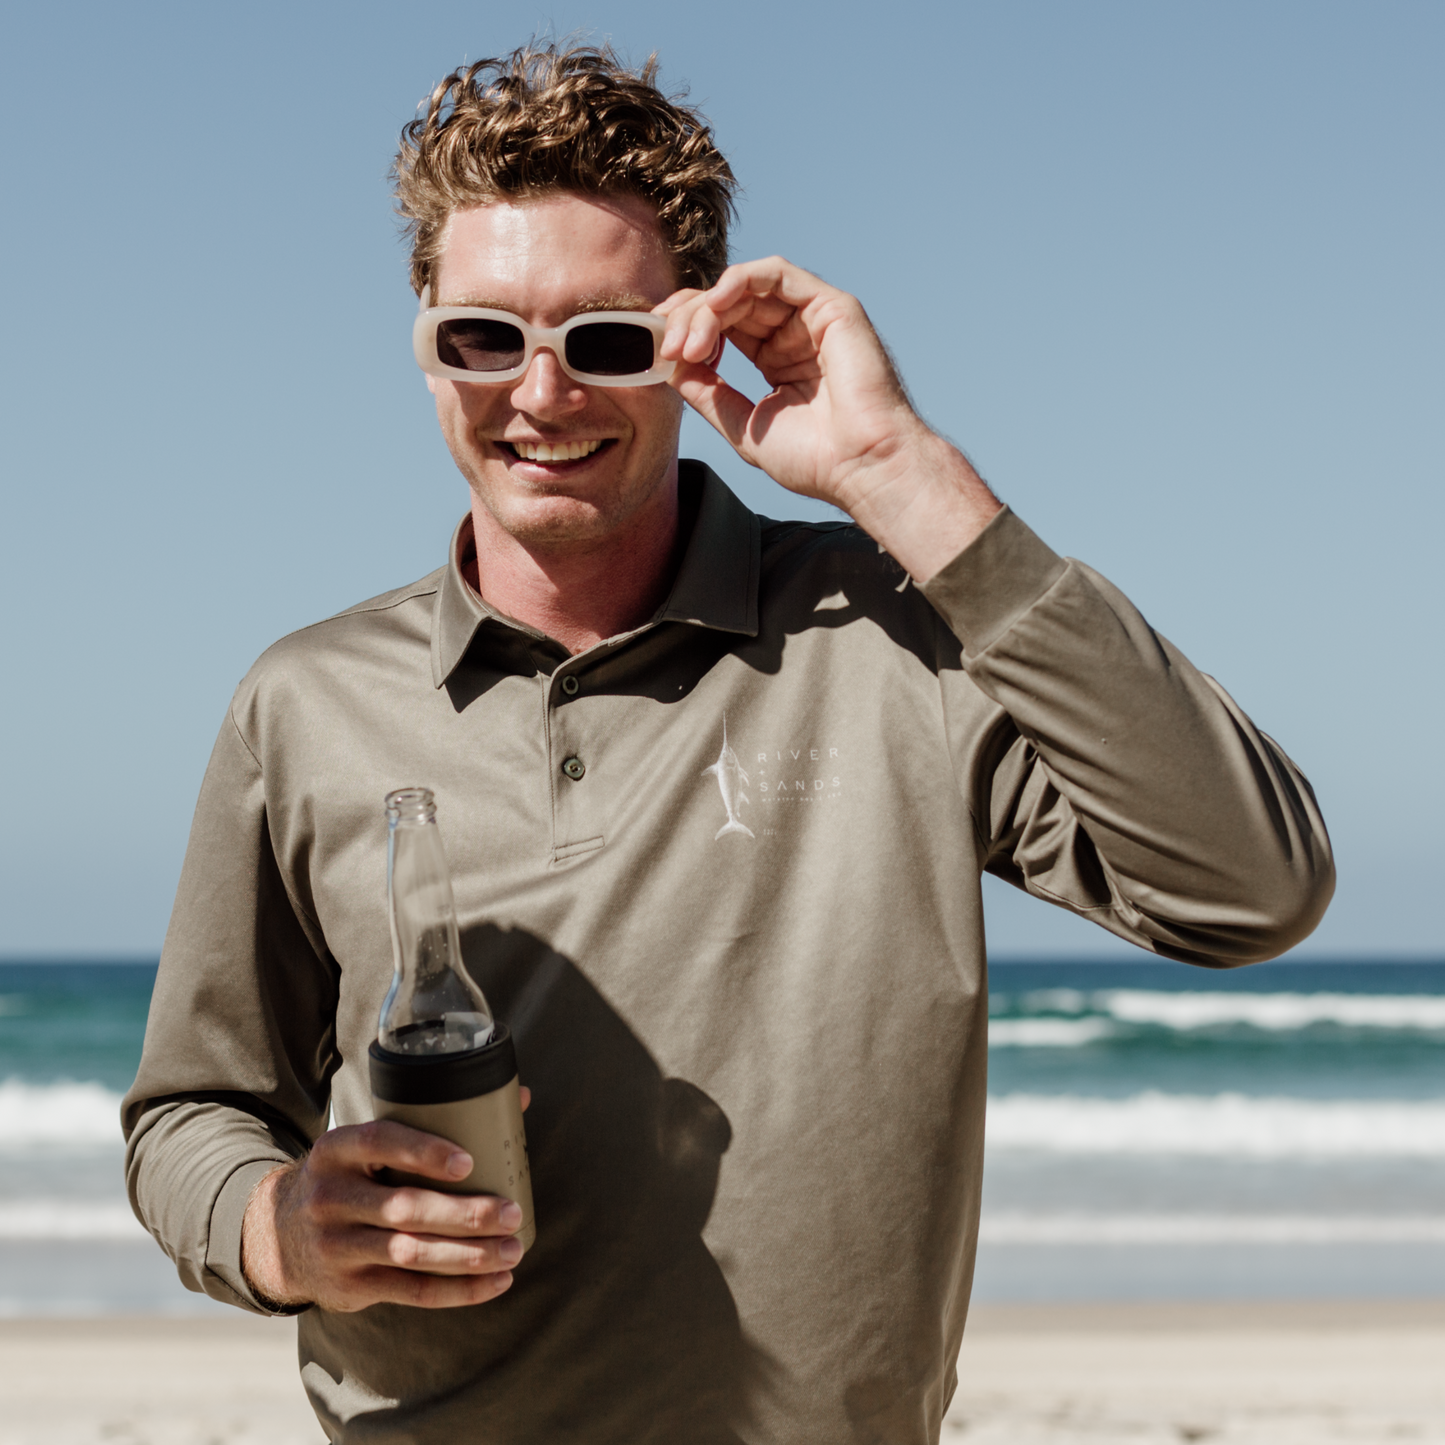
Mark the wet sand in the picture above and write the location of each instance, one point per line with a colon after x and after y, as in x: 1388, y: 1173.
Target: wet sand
x: 1136, y: 1374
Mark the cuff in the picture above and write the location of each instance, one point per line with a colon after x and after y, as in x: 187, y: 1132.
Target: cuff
x: 993, y: 582
x: 223, y: 1243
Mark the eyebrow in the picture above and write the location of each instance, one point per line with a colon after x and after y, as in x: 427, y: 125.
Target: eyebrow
x: 599, y: 301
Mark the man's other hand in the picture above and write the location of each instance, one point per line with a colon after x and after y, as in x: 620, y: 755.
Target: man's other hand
x: 326, y: 1231
x: 838, y: 424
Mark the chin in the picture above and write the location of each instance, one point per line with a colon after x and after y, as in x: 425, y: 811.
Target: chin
x: 557, y: 522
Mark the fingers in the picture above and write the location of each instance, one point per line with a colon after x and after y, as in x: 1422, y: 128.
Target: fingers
x: 344, y: 1164
x: 772, y: 276
x: 343, y: 1239
x: 385, y: 1144
x: 719, y: 404
x: 349, y: 1289
x: 429, y: 1291
x: 434, y: 1254
x: 426, y: 1211
x: 753, y: 300
x: 392, y: 1243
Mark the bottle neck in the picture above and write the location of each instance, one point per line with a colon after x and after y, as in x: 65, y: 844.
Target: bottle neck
x: 434, y: 1006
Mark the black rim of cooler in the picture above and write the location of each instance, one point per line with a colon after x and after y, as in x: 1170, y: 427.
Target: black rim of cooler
x: 443, y: 1078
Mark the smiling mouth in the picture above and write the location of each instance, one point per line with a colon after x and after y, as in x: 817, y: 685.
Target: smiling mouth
x: 555, y: 451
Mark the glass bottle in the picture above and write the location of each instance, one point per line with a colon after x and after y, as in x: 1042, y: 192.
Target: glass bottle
x: 440, y: 1062
x: 434, y: 1007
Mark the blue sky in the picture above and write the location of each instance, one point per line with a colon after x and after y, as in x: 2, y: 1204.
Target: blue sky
x: 1171, y: 274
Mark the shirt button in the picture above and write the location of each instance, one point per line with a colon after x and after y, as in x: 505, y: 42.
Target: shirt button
x: 570, y: 685
x: 574, y: 768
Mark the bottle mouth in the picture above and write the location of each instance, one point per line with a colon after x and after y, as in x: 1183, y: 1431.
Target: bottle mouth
x: 411, y: 805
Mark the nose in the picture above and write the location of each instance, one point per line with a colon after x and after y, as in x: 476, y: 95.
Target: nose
x: 545, y: 390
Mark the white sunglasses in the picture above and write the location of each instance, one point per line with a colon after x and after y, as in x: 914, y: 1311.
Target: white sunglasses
x: 598, y: 348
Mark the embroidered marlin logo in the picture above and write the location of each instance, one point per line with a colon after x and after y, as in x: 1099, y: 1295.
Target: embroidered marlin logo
x: 731, y: 779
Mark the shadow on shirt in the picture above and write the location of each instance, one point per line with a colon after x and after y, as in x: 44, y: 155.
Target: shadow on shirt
x: 814, y: 580
x: 619, y: 1325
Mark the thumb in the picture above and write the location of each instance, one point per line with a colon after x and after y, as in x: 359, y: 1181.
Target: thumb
x: 722, y: 406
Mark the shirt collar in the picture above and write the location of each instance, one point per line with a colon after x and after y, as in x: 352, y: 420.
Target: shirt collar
x: 716, y: 585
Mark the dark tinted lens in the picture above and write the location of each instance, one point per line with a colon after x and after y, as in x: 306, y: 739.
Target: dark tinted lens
x: 475, y: 344
x: 610, y: 348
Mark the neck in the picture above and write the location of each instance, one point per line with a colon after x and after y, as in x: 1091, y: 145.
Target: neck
x: 578, y: 592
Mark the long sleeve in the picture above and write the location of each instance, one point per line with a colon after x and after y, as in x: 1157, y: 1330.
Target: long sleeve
x: 232, y: 1080
x: 1119, y: 781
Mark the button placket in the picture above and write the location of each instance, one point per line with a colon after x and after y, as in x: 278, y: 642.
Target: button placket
x: 577, y: 822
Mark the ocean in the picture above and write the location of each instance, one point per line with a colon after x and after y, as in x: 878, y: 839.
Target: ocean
x: 1154, y: 1131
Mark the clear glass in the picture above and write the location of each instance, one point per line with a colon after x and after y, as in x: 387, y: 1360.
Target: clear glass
x: 434, y: 1007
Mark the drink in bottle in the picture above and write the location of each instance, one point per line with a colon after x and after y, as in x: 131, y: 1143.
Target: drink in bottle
x: 440, y: 1062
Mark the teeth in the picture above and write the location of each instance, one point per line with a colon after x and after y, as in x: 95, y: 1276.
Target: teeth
x: 561, y: 452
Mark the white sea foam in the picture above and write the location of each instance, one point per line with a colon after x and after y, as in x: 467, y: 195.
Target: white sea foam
x: 68, y: 1219
x: 53, y: 1219
x: 1218, y: 1124
x: 1018, y: 1228
x: 1046, y: 1033
x: 1274, y: 1011
x: 63, y: 1115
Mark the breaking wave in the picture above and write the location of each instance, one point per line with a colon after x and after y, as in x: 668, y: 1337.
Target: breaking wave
x: 1020, y: 1228
x: 1274, y: 1011
x: 1110, y: 1013
x: 63, y: 1115
x: 68, y: 1219
x: 1218, y: 1124
x: 1046, y: 1033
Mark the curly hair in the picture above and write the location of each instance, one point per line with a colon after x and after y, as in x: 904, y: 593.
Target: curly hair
x: 543, y: 120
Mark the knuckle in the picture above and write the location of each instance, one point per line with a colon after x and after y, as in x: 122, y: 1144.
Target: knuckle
x: 369, y: 1136
x: 405, y: 1250
x: 398, y: 1207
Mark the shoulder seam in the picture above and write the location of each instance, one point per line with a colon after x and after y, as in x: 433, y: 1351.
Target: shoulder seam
x: 407, y: 594
x: 231, y: 715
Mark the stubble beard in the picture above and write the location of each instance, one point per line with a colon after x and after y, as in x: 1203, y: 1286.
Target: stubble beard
x: 546, y: 517
x: 555, y: 521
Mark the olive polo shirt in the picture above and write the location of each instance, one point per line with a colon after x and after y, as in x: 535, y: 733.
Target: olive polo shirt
x: 721, y: 876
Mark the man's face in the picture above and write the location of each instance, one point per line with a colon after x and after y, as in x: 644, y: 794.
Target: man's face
x: 546, y: 260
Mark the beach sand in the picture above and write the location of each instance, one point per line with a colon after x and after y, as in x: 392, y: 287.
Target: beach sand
x: 1255, y: 1373
x: 1226, y: 1373
x: 213, y: 1380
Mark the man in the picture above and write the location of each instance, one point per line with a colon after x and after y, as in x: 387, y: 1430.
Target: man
x: 717, y: 793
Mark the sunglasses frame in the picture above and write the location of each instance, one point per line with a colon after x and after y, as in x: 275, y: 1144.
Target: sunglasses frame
x: 534, y: 338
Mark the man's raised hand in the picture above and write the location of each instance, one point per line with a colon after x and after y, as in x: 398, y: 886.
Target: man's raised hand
x: 837, y: 424
x: 327, y: 1231
x: 837, y: 403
